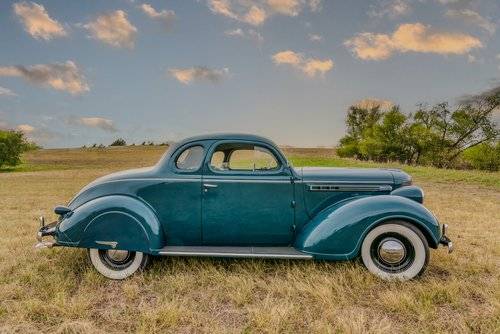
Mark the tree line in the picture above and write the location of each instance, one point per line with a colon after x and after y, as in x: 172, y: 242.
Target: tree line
x: 462, y: 136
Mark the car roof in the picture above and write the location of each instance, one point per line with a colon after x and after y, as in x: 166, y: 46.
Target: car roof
x: 227, y: 136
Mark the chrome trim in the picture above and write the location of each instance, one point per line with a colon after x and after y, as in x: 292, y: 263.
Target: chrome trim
x: 348, y: 187
x: 391, y: 250
x: 235, y: 252
x: 236, y: 255
x: 445, y: 241
x: 112, y: 244
x: 208, y: 185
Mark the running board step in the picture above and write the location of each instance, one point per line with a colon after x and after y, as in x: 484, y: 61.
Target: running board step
x: 240, y: 252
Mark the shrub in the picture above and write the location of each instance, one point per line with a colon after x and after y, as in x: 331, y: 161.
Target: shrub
x: 119, y: 142
x: 485, y: 156
x: 12, y: 144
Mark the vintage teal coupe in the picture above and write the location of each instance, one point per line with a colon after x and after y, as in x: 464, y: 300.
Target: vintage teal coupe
x: 236, y: 195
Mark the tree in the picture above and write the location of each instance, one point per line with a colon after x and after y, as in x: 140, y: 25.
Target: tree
x: 12, y: 144
x: 119, y: 142
x: 453, y: 132
x: 485, y: 156
x: 437, y: 135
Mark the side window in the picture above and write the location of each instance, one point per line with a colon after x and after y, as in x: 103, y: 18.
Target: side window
x: 190, y: 159
x: 243, y: 157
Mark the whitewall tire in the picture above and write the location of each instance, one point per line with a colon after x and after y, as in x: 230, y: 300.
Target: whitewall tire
x: 396, y: 250
x: 117, y: 264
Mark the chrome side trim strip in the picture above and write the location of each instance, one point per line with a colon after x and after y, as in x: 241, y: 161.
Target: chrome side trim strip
x: 235, y: 252
x: 346, y: 187
x: 112, y: 244
x: 237, y: 255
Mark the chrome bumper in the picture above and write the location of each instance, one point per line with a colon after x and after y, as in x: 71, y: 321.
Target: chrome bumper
x: 45, y: 230
x: 445, y: 241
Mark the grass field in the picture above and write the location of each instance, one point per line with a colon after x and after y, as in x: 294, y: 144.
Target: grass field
x: 57, y: 290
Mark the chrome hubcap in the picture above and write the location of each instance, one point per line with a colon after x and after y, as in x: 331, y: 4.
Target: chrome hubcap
x: 391, y: 251
x: 117, y: 255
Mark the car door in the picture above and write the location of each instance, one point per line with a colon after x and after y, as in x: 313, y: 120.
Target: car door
x: 247, y: 196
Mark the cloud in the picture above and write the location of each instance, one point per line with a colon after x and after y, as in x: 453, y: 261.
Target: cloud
x: 472, y: 17
x: 315, y: 38
x: 251, y: 34
x: 6, y: 92
x: 310, y: 66
x: 315, y: 5
x: 37, y: 21
x: 390, y: 8
x: 36, y: 134
x: 25, y: 128
x: 60, y: 76
x: 165, y: 16
x: 95, y: 122
x: 410, y: 37
x: 114, y: 29
x: 370, y: 103
x: 285, y: 7
x: 257, y: 12
x: 198, y: 73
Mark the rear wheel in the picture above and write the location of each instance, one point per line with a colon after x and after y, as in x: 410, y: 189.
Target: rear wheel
x: 395, y: 250
x: 117, y: 264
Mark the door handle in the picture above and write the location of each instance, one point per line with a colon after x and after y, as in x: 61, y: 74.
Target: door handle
x: 208, y: 185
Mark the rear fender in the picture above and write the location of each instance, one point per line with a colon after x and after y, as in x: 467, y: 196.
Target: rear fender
x: 115, y: 221
x: 336, y: 233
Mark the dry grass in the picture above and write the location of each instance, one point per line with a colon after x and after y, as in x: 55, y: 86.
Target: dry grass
x: 58, y: 291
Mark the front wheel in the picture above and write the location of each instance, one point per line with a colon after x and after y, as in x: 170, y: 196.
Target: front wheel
x: 395, y: 250
x: 117, y: 264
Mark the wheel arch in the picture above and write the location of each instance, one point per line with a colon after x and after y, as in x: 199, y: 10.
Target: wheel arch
x: 338, y: 231
x: 114, y: 221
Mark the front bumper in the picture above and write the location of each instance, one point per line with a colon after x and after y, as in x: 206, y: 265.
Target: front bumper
x: 445, y: 241
x: 44, y: 231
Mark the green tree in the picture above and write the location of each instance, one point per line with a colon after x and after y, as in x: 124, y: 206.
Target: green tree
x: 119, y: 142
x: 485, y: 156
x: 12, y: 144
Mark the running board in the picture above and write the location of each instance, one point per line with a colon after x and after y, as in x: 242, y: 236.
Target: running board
x: 239, y: 252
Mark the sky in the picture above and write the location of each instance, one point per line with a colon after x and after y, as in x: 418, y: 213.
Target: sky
x: 75, y: 73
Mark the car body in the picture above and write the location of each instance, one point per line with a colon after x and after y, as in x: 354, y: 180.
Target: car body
x: 236, y: 195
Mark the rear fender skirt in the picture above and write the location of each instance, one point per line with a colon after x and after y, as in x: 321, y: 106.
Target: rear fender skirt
x: 336, y: 233
x: 115, y: 221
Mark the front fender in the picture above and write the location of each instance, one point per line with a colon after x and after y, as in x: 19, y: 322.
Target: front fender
x: 337, y: 232
x: 115, y: 221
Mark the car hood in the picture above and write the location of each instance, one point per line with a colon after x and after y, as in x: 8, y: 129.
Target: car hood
x: 355, y: 175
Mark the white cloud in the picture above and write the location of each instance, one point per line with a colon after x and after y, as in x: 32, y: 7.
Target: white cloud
x: 472, y: 17
x: 165, y: 16
x: 37, y: 21
x: 390, y: 8
x: 25, y: 128
x: 257, y: 12
x: 198, y: 73
x: 6, y: 92
x: 251, y: 34
x: 410, y: 37
x: 315, y: 38
x: 315, y: 5
x: 309, y: 66
x: 285, y: 7
x: 114, y: 29
x: 60, y: 76
x: 471, y: 58
x: 96, y: 122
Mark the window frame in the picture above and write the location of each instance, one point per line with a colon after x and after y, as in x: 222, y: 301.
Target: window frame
x: 277, y: 171
x: 181, y: 150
